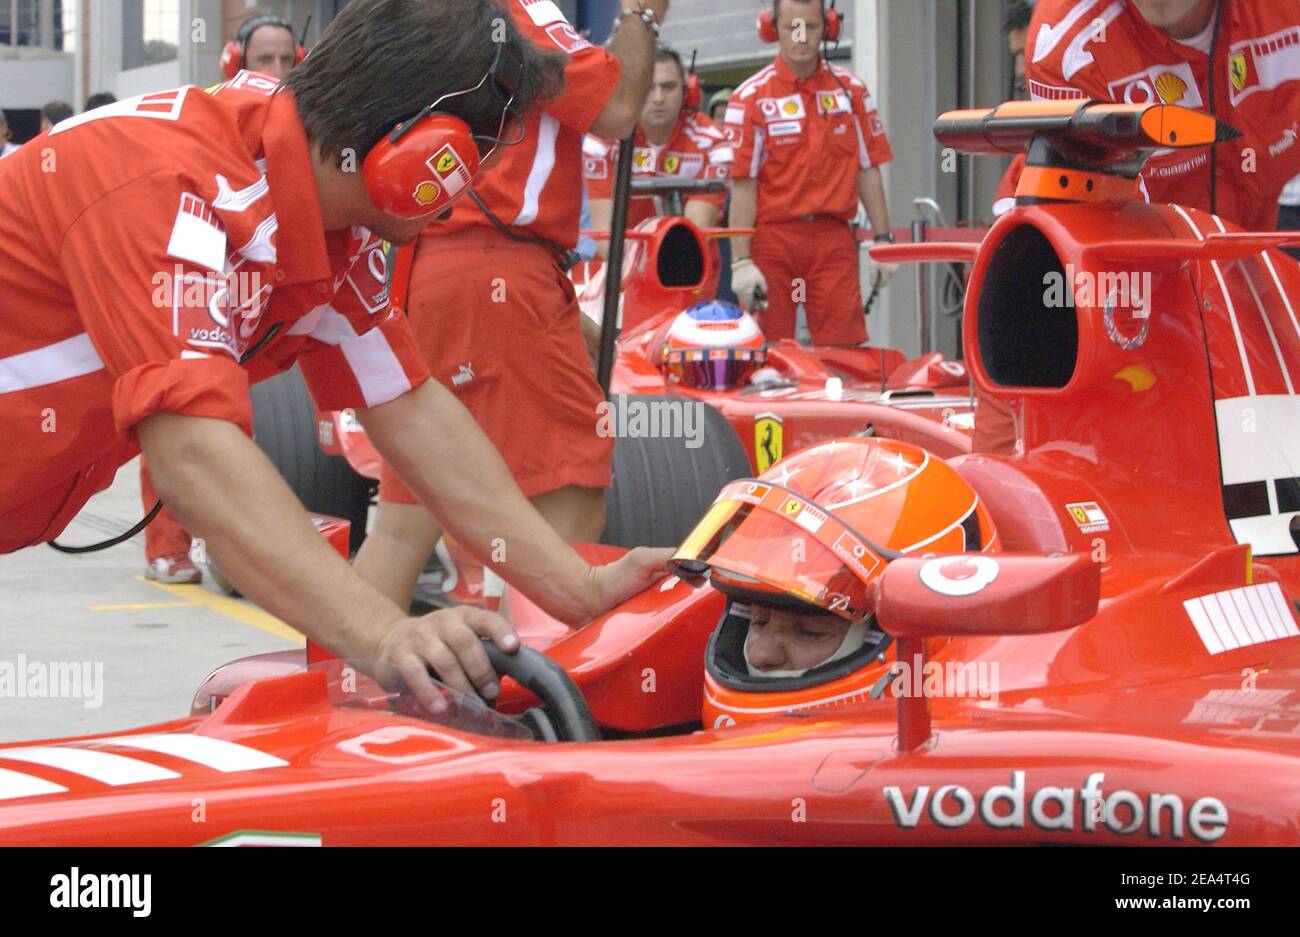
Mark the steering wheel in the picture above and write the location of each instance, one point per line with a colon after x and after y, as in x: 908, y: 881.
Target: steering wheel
x: 564, y: 715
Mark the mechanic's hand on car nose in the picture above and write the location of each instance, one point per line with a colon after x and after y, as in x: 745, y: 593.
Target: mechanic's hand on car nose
x: 447, y: 642
x: 632, y: 573
x: 748, y: 282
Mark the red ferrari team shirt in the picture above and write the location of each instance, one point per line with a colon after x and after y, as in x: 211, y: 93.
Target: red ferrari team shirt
x: 536, y: 188
x: 805, y: 140
x: 697, y: 149
x: 1105, y: 49
x: 145, y: 248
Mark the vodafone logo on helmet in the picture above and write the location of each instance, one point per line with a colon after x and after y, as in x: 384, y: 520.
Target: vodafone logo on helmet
x: 959, y: 575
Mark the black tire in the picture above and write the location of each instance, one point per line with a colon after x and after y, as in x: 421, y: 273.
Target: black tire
x: 284, y: 426
x: 662, y: 488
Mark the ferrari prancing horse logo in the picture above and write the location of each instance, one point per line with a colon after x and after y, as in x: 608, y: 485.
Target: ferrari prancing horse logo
x: 768, y: 440
x: 1237, y: 69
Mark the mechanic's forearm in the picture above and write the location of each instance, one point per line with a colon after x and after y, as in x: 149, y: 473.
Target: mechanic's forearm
x: 429, y: 437
x: 871, y: 190
x: 744, y: 210
x: 225, y: 491
x: 634, y: 47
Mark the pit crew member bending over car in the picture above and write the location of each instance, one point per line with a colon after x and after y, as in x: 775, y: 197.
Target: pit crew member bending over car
x: 1239, y: 61
x: 810, y: 148
x: 494, y: 311
x: 794, y: 552
x: 190, y: 243
x: 673, y: 138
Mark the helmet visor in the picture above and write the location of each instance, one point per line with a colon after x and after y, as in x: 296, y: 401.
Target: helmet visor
x: 713, y: 368
x: 771, y: 540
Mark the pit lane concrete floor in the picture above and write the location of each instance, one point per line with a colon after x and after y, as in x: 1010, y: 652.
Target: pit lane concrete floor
x: 153, y: 644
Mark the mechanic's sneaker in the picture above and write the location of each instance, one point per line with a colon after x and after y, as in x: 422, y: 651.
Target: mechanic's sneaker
x: 174, y: 569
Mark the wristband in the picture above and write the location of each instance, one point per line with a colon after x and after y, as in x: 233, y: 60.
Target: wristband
x: 646, y: 16
x: 887, y: 237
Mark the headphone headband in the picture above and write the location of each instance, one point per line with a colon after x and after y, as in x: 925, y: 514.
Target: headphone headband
x: 257, y: 22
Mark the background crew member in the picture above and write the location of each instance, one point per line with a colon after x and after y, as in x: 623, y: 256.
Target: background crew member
x: 811, y: 144
x: 671, y: 140
x: 1238, y: 60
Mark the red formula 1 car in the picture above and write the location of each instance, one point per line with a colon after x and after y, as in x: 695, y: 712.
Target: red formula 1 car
x: 1141, y: 615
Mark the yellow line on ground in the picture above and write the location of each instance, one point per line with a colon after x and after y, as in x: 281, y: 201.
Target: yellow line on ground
x: 235, y: 609
x: 121, y: 608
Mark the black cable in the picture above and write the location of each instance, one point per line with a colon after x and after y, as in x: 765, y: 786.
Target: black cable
x: 568, y: 258
x: 153, y: 512
x: 120, y: 538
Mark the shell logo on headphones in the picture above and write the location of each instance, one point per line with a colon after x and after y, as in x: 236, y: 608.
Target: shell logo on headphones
x: 426, y: 193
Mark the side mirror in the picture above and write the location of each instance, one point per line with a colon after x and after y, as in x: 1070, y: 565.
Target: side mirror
x: 979, y: 594
x: 976, y: 594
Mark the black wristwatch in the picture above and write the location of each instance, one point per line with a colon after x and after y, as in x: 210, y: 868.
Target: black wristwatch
x: 887, y: 237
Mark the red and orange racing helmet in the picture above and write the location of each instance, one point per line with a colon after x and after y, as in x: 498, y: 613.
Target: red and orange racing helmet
x: 811, y: 533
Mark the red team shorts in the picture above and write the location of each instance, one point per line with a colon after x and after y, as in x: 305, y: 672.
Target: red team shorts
x: 818, y: 259
x: 497, y: 322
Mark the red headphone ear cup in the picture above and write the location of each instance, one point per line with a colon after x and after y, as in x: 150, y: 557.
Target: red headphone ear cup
x: 232, y: 56
x: 766, y: 26
x: 302, y: 54
x: 834, y: 22
x: 425, y: 171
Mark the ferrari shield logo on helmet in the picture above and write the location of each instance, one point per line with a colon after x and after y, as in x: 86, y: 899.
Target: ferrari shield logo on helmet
x: 768, y: 440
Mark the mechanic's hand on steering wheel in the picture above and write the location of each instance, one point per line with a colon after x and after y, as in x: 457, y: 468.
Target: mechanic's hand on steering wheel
x: 878, y: 274
x: 447, y: 642
x: 631, y: 573
x: 748, y: 282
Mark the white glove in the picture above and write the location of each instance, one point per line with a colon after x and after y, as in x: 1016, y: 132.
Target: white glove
x: 879, y: 274
x: 748, y: 282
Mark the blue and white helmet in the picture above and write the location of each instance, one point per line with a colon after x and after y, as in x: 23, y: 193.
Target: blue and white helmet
x: 713, y: 345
